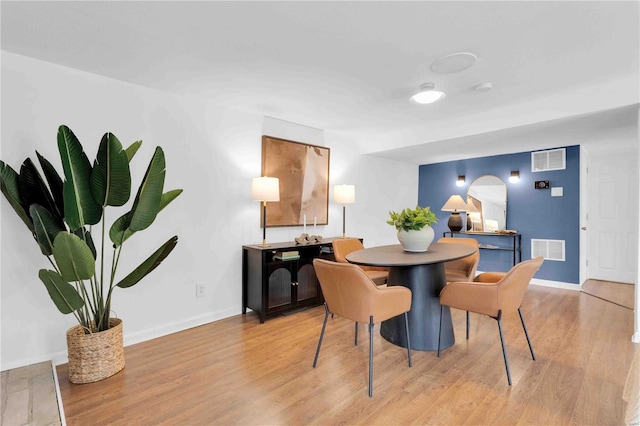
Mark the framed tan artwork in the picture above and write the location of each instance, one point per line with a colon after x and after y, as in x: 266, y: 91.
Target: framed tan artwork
x: 303, y: 170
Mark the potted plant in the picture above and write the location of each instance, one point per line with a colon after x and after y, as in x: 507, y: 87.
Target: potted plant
x: 60, y: 214
x: 414, y: 227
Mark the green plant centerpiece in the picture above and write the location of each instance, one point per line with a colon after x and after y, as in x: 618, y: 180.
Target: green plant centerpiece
x: 414, y: 227
x: 60, y: 215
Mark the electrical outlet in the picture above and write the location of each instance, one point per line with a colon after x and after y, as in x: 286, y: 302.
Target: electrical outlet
x: 199, y: 290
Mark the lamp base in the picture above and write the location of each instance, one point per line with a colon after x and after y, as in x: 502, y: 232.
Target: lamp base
x: 264, y: 244
x: 455, y: 222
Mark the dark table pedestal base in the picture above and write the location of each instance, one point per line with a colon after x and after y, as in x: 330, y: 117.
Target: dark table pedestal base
x: 425, y: 283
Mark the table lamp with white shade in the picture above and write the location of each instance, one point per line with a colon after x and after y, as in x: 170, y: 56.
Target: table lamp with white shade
x: 265, y: 189
x: 344, y: 194
x: 455, y: 204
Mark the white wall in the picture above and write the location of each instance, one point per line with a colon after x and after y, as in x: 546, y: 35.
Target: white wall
x: 212, y: 153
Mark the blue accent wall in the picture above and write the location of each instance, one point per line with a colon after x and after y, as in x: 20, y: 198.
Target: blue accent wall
x: 533, y: 212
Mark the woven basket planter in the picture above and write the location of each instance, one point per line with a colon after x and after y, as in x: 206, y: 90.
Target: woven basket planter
x: 95, y: 356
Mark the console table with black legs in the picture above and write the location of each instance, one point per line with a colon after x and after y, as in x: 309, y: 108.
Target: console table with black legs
x: 502, y: 242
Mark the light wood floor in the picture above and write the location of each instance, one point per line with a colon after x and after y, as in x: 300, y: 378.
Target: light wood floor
x: 238, y: 371
x: 622, y: 294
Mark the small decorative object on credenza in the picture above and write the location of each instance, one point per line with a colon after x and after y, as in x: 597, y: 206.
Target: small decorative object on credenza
x: 455, y: 204
x: 287, y: 255
x: 305, y: 238
x: 414, y: 228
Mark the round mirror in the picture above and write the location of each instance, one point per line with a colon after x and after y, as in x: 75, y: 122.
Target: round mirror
x: 487, y: 203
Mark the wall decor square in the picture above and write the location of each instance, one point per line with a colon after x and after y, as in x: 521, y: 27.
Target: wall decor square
x: 303, y: 170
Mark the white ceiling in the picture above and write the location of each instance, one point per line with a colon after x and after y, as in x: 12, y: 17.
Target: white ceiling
x: 351, y: 67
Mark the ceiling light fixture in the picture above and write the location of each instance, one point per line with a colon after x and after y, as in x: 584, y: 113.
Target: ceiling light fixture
x: 454, y: 62
x: 483, y: 87
x: 427, y: 94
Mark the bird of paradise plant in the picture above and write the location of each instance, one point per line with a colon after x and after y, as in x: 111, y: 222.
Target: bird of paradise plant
x: 60, y: 215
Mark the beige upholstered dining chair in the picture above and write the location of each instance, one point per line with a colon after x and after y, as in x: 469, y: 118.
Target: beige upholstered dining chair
x: 350, y: 293
x: 462, y: 269
x: 493, y: 298
x: 343, y: 246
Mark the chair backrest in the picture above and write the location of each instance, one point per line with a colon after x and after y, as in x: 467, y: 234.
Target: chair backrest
x: 512, y: 287
x: 467, y: 265
x: 351, y: 294
x: 343, y: 246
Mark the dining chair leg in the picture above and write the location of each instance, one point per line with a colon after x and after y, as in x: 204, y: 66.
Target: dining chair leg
x: 406, y: 328
x: 526, y: 334
x: 371, y: 356
x: 356, y: 333
x: 504, y: 349
x: 467, y: 325
x: 440, y: 330
x: 324, y: 326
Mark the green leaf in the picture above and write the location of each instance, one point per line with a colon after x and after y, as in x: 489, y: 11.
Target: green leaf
x: 65, y: 297
x: 55, y: 183
x: 110, y: 177
x: 147, y: 203
x: 80, y: 209
x: 74, y: 257
x: 10, y: 179
x: 120, y: 232
x: 132, y: 149
x: 33, y: 190
x: 46, y: 228
x: 10, y: 188
x: 85, y: 235
x: 150, y: 264
x: 168, y: 197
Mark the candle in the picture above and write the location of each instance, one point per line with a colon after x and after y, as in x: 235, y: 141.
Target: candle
x: 304, y: 223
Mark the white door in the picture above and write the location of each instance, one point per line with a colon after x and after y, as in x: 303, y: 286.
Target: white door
x: 612, y: 251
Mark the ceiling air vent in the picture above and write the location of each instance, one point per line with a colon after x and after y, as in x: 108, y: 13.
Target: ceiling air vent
x: 549, y: 249
x: 552, y: 159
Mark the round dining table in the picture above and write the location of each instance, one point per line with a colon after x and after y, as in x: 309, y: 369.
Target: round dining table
x: 424, y: 274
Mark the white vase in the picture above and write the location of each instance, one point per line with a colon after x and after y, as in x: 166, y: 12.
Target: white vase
x: 416, y: 241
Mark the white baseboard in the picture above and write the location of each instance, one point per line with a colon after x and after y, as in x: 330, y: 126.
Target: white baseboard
x: 556, y: 284
x: 166, y: 329
x: 548, y: 283
x: 144, y: 335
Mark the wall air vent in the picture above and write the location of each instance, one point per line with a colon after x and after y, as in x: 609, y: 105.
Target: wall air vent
x: 552, y: 159
x: 549, y: 249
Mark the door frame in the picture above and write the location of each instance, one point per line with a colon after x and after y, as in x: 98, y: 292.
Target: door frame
x: 584, y: 215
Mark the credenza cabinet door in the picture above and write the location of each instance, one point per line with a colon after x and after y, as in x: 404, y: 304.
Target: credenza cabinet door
x: 279, y: 289
x: 306, y: 284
